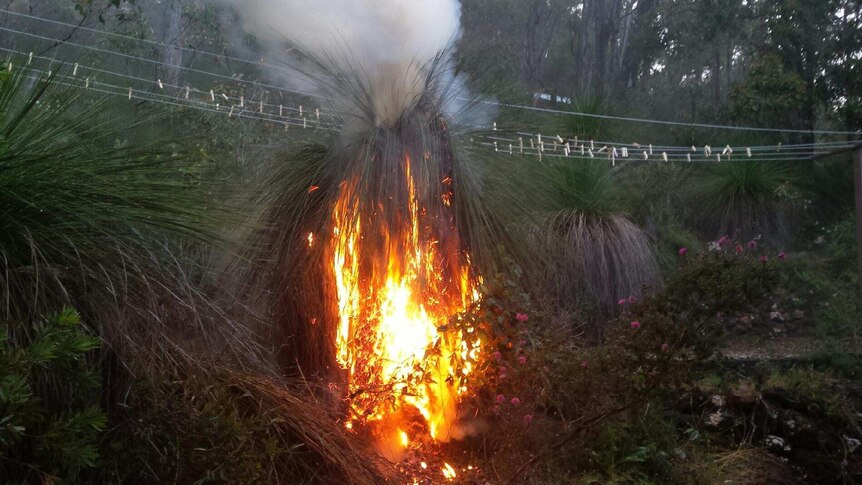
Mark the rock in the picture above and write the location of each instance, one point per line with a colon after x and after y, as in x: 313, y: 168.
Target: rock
x: 715, y: 419
x: 852, y: 444
x: 776, y: 443
x: 776, y: 316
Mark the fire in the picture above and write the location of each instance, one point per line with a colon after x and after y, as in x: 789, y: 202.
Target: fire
x: 396, y: 286
x: 449, y: 472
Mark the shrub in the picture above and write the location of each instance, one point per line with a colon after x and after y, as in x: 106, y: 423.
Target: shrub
x: 587, y: 398
x: 199, y: 425
x: 50, y: 418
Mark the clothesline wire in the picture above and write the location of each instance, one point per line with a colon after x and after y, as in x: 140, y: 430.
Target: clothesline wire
x: 159, y: 63
x: 145, y: 96
x: 250, y: 100
x: 597, y: 153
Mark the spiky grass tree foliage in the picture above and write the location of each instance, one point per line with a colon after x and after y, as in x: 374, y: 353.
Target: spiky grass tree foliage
x: 596, y: 250
x: 364, y: 172
x: 93, y: 214
x: 745, y: 200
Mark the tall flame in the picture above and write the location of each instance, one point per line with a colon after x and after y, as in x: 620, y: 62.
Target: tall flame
x: 395, y: 289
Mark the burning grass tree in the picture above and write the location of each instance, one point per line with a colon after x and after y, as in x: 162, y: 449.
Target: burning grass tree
x: 372, y: 243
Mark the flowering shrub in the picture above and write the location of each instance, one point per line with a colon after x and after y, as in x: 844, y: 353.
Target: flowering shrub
x: 685, y: 316
x: 537, y: 388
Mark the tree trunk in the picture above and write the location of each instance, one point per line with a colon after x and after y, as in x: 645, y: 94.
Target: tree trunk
x: 716, y: 84
x: 538, y: 33
x: 172, y: 57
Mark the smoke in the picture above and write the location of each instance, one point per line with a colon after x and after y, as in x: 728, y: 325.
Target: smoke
x: 383, y: 47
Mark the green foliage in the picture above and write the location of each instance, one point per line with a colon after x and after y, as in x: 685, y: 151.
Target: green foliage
x: 745, y: 200
x: 217, y: 425
x: 192, y: 432
x: 824, y: 282
x: 595, y: 252
x: 589, y: 187
x: 687, y: 312
x: 50, y: 418
x: 634, y: 450
x: 589, y: 128
x: 834, y: 357
x: 81, y: 193
x: 811, y: 389
x: 769, y: 96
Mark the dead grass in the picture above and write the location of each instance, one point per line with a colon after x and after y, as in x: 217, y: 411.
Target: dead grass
x: 606, y: 257
x: 744, y: 466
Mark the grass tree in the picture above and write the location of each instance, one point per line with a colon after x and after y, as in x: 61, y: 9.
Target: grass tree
x: 597, y: 251
x: 746, y: 200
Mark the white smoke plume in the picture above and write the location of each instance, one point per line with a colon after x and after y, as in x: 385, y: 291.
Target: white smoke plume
x: 385, y: 46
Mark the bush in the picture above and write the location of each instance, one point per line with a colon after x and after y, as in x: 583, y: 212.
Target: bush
x: 210, y: 424
x: 50, y: 418
x: 601, y: 405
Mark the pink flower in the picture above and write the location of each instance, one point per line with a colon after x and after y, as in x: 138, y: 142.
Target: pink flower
x: 528, y: 418
x: 500, y: 398
x: 632, y: 300
x: 522, y: 317
x: 522, y: 360
x: 515, y: 401
x: 719, y: 316
x: 496, y: 409
x: 752, y: 244
x: 636, y: 324
x: 665, y: 347
x: 497, y: 355
x: 724, y: 241
x: 622, y: 301
x: 782, y: 255
x: 683, y: 251
x: 503, y: 376
x: 739, y: 249
x: 764, y: 259
x: 585, y: 364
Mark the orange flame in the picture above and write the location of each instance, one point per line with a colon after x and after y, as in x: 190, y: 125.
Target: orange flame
x: 392, y: 301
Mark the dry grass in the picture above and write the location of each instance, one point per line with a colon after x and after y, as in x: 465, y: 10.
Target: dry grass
x: 744, y: 466
x: 606, y: 257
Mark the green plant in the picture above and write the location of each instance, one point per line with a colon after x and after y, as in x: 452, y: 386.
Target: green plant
x: 195, y: 425
x: 50, y: 417
x: 81, y: 194
x: 594, y: 249
x: 636, y: 448
x: 745, y: 200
